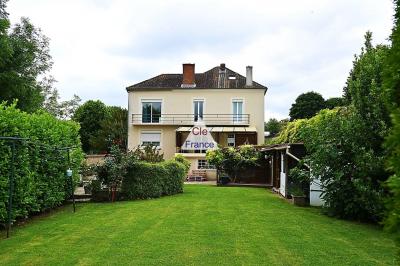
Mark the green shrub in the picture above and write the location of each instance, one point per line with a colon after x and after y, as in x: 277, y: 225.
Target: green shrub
x: 148, y: 153
x: 175, y: 174
x: 145, y: 180
x: 40, y: 176
x: 233, y: 160
x: 181, y: 159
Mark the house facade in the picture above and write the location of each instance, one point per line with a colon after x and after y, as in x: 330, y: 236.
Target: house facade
x: 163, y: 110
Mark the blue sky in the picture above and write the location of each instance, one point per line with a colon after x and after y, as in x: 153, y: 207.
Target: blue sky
x: 99, y: 47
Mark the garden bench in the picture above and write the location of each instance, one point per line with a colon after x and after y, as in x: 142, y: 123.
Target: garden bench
x: 197, y: 175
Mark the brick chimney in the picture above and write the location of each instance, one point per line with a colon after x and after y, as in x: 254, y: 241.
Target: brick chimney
x: 188, y: 80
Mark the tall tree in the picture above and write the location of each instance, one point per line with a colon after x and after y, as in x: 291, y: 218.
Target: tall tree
x: 90, y: 115
x: 25, y: 62
x: 307, y: 105
x: 365, y: 91
x: 24, y: 59
x: 114, y: 130
x: 392, y: 89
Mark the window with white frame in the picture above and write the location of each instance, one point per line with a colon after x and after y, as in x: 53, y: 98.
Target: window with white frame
x: 237, y: 110
x: 150, y: 138
x: 151, y: 111
x: 203, y: 164
x: 198, y: 109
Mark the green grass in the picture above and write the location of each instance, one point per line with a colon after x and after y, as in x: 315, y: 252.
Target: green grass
x: 205, y: 225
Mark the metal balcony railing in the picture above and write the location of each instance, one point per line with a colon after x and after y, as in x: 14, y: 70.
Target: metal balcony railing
x: 189, y: 119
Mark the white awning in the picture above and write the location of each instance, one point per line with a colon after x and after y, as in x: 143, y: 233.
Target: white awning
x: 183, y: 129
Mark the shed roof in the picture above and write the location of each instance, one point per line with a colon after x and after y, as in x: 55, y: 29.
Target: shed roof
x: 282, y: 146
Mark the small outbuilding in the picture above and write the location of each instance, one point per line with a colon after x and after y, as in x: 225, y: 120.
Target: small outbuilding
x: 281, y: 158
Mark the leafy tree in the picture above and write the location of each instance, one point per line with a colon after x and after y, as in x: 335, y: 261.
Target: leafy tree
x: 334, y: 102
x: 90, y: 115
x: 345, y: 144
x: 273, y: 126
x: 24, y: 64
x: 24, y: 58
x: 291, y: 132
x: 52, y: 104
x: 348, y: 168
x: 365, y: 92
x: 114, y: 129
x: 392, y: 221
x: 306, y: 105
x: 3, y: 12
x: 392, y: 90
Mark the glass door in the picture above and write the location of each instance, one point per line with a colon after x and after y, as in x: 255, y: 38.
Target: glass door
x: 237, y: 111
x: 151, y: 112
x: 198, y: 110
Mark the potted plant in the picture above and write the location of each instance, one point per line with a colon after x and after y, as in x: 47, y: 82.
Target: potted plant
x: 299, y: 180
x: 298, y: 196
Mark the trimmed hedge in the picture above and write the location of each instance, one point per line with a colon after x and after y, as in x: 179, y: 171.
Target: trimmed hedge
x: 40, y: 176
x: 145, y: 180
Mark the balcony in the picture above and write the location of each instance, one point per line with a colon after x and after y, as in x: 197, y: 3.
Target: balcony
x: 189, y: 119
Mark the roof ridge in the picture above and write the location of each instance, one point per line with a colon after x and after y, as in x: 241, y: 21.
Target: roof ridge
x: 207, y: 79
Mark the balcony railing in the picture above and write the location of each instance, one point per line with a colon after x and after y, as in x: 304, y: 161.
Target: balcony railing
x: 189, y: 119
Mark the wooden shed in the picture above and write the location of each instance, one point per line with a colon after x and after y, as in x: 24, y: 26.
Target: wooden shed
x: 281, y: 158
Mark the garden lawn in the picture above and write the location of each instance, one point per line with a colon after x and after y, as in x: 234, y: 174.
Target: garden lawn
x: 206, y: 225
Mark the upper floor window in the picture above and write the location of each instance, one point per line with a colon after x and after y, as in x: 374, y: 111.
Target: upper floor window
x: 151, y: 111
x: 198, y: 109
x: 237, y: 110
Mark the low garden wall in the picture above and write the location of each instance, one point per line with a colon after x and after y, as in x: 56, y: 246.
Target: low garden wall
x: 92, y: 159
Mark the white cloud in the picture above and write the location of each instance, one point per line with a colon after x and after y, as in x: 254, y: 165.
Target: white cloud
x: 100, y: 47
